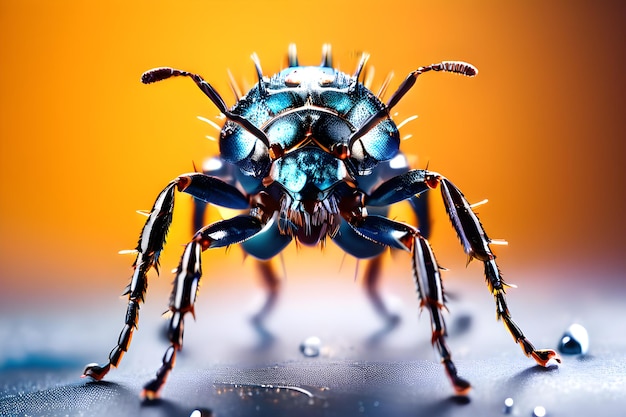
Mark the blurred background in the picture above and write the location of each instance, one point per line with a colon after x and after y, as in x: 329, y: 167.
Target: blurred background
x: 83, y: 144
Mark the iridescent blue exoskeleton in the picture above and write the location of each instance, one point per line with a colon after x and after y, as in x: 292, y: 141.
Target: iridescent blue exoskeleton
x: 307, y: 153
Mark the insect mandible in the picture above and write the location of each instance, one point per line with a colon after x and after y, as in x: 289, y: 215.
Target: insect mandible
x: 310, y: 147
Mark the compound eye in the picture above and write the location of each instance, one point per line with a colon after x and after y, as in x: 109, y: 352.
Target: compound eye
x: 293, y: 79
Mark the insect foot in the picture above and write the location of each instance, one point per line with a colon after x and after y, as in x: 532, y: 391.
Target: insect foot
x: 95, y: 371
x: 544, y: 357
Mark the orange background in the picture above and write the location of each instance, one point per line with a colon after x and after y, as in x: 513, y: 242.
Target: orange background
x: 540, y: 131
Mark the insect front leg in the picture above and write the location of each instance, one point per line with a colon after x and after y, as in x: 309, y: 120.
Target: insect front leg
x: 472, y: 236
x: 476, y: 245
x: 151, y: 241
x: 372, y: 274
x: 427, y: 279
x: 188, y: 273
x: 149, y: 247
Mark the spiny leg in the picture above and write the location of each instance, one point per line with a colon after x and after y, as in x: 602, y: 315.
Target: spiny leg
x: 476, y: 245
x: 181, y: 302
x: 149, y: 247
x: 430, y: 289
x: 151, y: 241
x: 427, y: 278
x: 472, y: 236
x: 184, y: 292
x: 419, y: 205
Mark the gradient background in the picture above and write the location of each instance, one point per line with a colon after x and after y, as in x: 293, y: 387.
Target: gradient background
x: 83, y: 144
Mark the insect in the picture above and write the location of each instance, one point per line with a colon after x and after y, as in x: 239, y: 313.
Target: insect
x: 310, y: 149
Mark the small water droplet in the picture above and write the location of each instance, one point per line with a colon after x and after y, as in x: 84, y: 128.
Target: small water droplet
x: 539, y: 411
x: 508, y: 405
x: 201, y: 412
x: 575, y: 341
x: 311, y: 347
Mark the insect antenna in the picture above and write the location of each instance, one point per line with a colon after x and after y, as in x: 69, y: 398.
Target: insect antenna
x: 458, y: 67
x: 160, y: 74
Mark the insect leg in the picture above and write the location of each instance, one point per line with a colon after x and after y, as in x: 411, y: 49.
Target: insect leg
x: 151, y: 241
x: 271, y: 283
x: 430, y: 289
x: 184, y: 292
x: 476, y: 245
x: 372, y: 278
x: 149, y: 247
x: 427, y: 280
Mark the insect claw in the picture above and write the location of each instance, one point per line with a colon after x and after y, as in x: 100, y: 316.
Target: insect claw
x: 95, y: 371
x: 148, y: 394
x: 544, y: 356
x: 461, y: 386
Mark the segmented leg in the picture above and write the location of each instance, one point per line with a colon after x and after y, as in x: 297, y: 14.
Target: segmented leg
x: 430, y: 289
x: 188, y: 273
x: 427, y: 280
x: 472, y: 236
x: 373, y: 270
x: 271, y: 282
x: 476, y: 245
x: 151, y: 241
x: 371, y: 280
x: 149, y: 247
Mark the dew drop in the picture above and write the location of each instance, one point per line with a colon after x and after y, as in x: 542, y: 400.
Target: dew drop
x: 201, y: 412
x: 539, y: 411
x: 311, y: 347
x: 508, y: 405
x: 575, y: 341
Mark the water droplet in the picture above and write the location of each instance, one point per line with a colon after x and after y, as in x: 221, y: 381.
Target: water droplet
x: 575, y: 341
x: 539, y: 411
x: 311, y: 346
x: 508, y: 405
x: 201, y: 412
